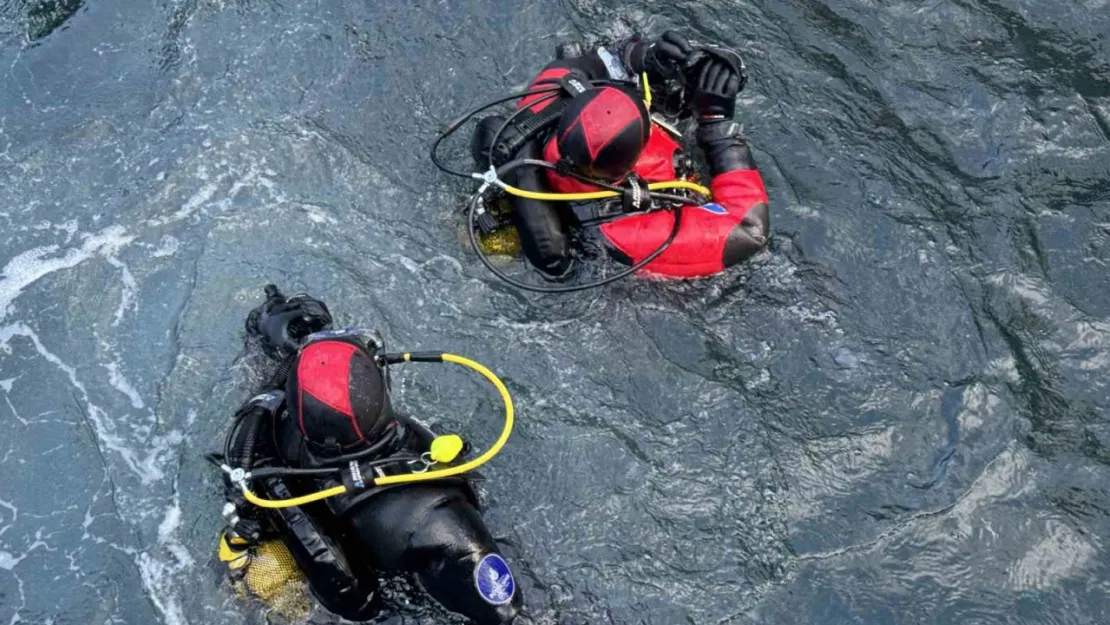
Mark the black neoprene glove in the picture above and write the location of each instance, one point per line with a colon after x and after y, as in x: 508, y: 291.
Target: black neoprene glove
x: 283, y: 322
x: 661, y: 58
x: 715, y: 89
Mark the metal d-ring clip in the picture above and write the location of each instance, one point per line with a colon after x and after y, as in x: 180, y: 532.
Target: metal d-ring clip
x: 237, y: 476
x: 488, y: 177
x: 421, y: 464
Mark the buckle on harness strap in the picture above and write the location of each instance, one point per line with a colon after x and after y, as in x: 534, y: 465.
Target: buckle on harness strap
x: 421, y: 464
x: 574, y: 83
x: 635, y: 198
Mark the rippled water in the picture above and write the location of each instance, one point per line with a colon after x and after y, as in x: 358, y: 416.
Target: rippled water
x: 896, y: 416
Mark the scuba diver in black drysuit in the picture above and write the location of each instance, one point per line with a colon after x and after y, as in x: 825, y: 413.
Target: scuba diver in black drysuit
x: 325, y: 423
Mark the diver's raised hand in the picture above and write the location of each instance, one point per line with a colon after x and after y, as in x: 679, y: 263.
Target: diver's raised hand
x: 662, y: 58
x: 715, y: 87
x: 282, y: 323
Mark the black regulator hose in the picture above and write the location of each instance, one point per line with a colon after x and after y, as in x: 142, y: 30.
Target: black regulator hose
x: 524, y: 109
x: 281, y: 374
x: 291, y: 472
x: 242, y: 453
x: 254, y: 426
x: 454, y: 126
x: 230, y: 454
x: 364, y: 466
x: 508, y: 167
x: 601, y: 184
x: 325, y: 471
x: 374, y: 448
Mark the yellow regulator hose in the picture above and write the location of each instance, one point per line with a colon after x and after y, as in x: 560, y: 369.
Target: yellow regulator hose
x: 409, y: 477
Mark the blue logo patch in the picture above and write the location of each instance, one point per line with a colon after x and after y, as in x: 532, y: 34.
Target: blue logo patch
x: 345, y: 332
x: 714, y: 208
x: 494, y: 580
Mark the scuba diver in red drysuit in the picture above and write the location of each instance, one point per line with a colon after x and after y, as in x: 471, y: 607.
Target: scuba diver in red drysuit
x: 606, y: 132
x: 325, y: 421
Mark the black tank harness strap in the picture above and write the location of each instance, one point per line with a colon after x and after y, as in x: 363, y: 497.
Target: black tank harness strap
x: 425, y: 437
x: 336, y: 580
x: 634, y: 200
x: 393, y: 457
x: 343, y: 505
x: 402, y: 463
x: 572, y: 84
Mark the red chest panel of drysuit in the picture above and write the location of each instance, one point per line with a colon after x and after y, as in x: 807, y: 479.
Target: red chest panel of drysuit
x: 698, y: 249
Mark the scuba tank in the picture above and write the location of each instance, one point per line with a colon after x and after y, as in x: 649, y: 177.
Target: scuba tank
x: 248, y: 546
x: 307, y: 499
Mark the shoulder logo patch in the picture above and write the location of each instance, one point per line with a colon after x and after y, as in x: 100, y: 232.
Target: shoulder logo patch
x: 494, y: 580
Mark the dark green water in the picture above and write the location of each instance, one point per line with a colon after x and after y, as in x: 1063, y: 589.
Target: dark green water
x: 896, y: 416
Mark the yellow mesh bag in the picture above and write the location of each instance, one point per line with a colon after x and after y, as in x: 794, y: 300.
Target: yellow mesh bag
x: 501, y: 242
x: 268, y: 573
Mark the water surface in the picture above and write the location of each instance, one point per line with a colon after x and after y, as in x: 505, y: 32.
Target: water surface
x: 898, y: 415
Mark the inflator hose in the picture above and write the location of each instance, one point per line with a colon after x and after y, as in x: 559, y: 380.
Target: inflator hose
x: 470, y: 227
x: 409, y: 477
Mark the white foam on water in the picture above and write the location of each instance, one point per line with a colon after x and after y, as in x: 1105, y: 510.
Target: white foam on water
x: 15, y: 515
x: 156, y: 576
x: 1031, y: 289
x: 69, y: 227
x: 123, y: 385
x: 9, y: 562
x: 167, y: 247
x: 202, y: 196
x: 22, y: 602
x: 28, y: 267
x: 804, y: 312
x: 160, y: 576
x: 316, y: 215
x: 1010, y: 476
x: 453, y: 262
x: 167, y: 530
x: 15, y: 412
x: 7, y: 384
x: 170, y: 522
x: 1063, y: 554
x: 195, y: 202
x: 208, y: 196
x: 147, y: 469
x: 127, y: 295
x: 160, y: 449
x: 411, y: 265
